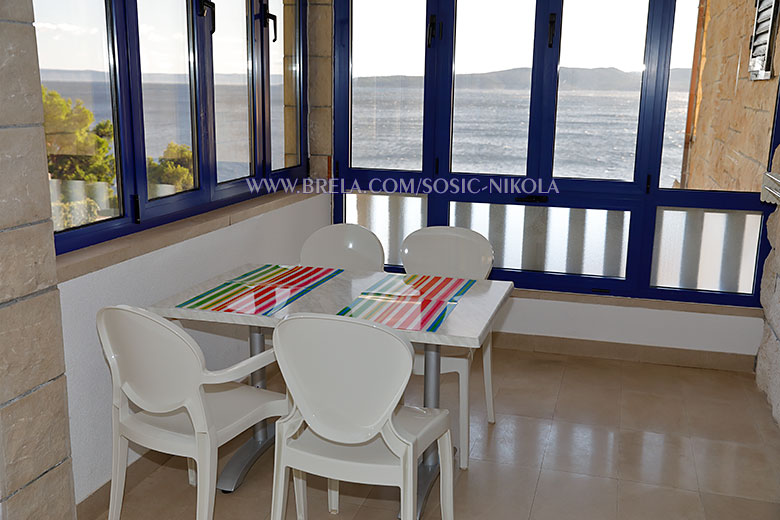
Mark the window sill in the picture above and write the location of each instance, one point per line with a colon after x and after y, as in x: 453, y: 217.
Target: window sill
x: 99, y: 256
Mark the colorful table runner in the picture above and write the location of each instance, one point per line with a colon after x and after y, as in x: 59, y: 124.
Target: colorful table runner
x: 409, y: 302
x: 264, y: 290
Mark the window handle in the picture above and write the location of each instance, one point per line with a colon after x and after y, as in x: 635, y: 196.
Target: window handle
x: 431, y: 31
x: 270, y: 16
x: 203, y: 6
x: 551, y: 30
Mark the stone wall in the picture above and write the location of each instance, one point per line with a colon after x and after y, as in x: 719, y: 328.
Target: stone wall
x: 733, y: 118
x: 320, y: 41
x: 36, y: 479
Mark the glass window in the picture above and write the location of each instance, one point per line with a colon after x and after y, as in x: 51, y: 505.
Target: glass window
x: 556, y: 240
x: 600, y: 79
x: 232, y: 105
x: 706, y: 249
x: 78, y: 111
x: 285, y: 94
x: 167, y: 96
x: 492, y: 90
x: 387, y: 73
x: 390, y: 217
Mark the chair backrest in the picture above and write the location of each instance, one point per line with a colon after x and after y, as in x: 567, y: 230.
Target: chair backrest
x: 346, y: 246
x: 157, y: 365
x: 447, y: 251
x: 345, y: 375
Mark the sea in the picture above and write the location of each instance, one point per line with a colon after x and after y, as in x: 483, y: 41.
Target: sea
x: 595, y: 129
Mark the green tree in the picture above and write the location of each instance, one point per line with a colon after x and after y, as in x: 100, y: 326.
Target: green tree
x: 174, y: 167
x: 76, y: 151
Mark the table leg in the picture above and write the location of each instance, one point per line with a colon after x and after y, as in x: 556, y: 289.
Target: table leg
x: 429, y: 467
x: 238, y: 466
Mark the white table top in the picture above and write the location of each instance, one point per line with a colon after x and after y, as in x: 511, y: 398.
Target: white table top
x: 467, y: 326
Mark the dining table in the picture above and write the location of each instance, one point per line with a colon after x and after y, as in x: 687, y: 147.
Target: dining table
x: 460, y: 313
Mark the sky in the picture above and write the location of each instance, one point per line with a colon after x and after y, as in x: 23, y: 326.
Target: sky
x: 596, y: 33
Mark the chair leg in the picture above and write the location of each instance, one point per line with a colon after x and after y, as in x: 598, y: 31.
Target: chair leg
x: 487, y: 374
x: 206, y: 477
x: 409, y: 489
x: 446, y: 476
x: 333, y: 496
x: 279, y: 494
x: 192, y: 472
x: 464, y: 418
x: 118, y: 472
x: 301, y: 502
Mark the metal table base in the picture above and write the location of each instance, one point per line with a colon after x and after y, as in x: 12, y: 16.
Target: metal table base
x: 264, y: 434
x: 428, y: 471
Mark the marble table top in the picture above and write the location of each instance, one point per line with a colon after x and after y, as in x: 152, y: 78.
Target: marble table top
x: 467, y: 326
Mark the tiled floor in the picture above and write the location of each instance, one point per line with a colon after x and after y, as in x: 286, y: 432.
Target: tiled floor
x: 574, y: 439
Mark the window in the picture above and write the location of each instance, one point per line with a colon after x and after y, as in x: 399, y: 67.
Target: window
x: 153, y: 113
x: 635, y: 182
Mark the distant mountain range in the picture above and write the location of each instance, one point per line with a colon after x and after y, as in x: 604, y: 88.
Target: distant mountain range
x: 512, y: 79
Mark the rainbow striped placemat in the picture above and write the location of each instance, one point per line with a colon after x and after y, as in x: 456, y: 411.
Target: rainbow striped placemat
x: 409, y: 302
x: 264, y: 290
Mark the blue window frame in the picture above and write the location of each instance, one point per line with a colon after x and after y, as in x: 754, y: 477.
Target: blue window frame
x: 640, y: 198
x: 139, y: 212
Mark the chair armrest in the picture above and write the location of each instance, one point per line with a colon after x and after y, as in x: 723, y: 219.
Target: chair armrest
x: 239, y: 370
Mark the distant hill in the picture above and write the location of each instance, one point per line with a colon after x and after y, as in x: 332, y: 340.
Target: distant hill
x: 512, y: 79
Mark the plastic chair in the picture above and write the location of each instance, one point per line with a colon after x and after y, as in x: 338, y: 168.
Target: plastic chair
x: 183, y: 409
x: 462, y: 253
x: 346, y: 378
x: 346, y: 246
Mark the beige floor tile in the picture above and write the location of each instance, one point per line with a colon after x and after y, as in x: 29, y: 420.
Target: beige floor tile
x: 713, y: 384
x: 722, y: 420
x: 728, y: 468
x: 654, y: 379
x: 657, y: 458
x: 530, y: 400
x: 582, y: 448
x: 638, y: 501
x: 492, y: 491
x: 513, y: 440
x: 588, y: 404
x: 569, y: 496
x: 720, y: 507
x: 370, y: 513
x: 652, y: 412
x: 518, y: 369
x: 593, y: 372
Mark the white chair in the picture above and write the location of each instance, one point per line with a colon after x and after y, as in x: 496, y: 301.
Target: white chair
x: 346, y: 246
x: 346, y: 378
x: 461, y: 253
x: 183, y: 409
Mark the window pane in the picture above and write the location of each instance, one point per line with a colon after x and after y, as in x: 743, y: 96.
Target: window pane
x: 600, y: 78
x: 554, y: 240
x: 232, y: 72
x: 165, y: 58
x: 285, y: 68
x: 706, y: 249
x: 391, y: 218
x: 492, y: 88
x: 78, y: 111
x: 387, y: 84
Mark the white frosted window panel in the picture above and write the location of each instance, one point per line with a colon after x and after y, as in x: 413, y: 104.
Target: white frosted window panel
x: 390, y: 217
x: 550, y: 239
x: 706, y: 249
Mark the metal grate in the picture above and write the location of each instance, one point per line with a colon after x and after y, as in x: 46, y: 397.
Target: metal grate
x: 763, y: 34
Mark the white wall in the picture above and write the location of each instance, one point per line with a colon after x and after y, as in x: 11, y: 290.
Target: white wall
x: 633, y: 325
x: 276, y: 236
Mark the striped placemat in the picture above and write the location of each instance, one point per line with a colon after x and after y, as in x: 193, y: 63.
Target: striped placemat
x: 409, y: 302
x: 264, y: 290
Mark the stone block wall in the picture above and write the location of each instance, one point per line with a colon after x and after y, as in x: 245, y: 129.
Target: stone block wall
x: 36, y: 479
x: 734, y: 116
x: 320, y: 41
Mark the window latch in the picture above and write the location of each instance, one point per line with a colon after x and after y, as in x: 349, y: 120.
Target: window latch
x: 208, y: 5
x: 272, y: 17
x: 551, y: 30
x: 431, y: 30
